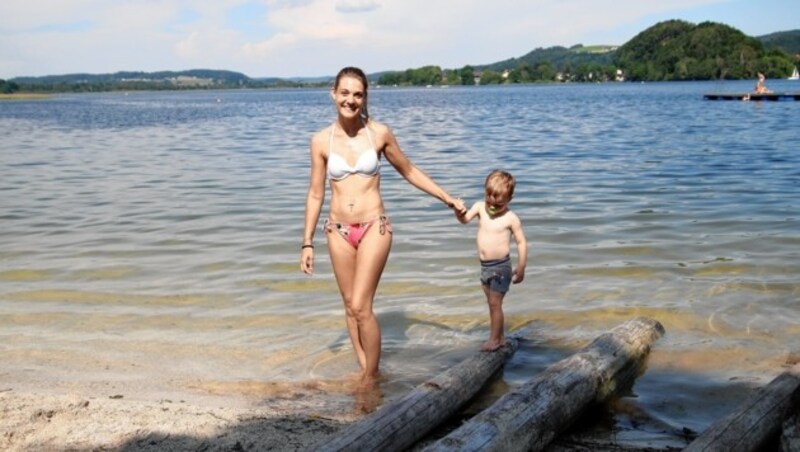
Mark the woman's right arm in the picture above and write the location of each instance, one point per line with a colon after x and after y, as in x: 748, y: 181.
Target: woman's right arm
x: 314, y: 201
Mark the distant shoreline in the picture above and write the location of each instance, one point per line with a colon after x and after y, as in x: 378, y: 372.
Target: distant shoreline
x: 25, y: 96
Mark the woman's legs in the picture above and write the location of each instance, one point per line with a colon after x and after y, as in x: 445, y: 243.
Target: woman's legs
x: 358, y: 272
x: 343, y: 260
x: 373, y: 252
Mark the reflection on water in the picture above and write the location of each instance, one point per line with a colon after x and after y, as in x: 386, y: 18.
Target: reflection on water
x: 154, y: 238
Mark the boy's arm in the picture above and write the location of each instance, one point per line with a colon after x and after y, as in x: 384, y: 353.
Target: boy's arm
x: 471, y: 213
x: 522, y: 250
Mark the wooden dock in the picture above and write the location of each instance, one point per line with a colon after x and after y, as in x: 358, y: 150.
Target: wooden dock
x: 752, y: 96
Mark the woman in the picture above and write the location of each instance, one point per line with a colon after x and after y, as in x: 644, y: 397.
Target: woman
x: 761, y: 87
x: 359, y: 234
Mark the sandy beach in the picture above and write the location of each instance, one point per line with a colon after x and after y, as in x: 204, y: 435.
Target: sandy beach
x: 75, y: 422
x: 32, y: 422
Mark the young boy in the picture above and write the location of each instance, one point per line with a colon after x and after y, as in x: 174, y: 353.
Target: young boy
x: 496, y: 225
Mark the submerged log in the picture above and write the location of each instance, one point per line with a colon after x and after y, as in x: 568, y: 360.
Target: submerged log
x: 790, y: 438
x: 399, y: 424
x: 529, y: 417
x: 757, y: 421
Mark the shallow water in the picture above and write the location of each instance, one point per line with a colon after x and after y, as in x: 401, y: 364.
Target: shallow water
x: 152, y: 239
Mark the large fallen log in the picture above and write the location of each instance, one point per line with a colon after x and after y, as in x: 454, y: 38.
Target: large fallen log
x: 529, y: 417
x: 757, y: 421
x: 399, y: 424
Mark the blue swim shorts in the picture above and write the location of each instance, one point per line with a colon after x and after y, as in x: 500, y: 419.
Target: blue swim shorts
x: 496, y: 274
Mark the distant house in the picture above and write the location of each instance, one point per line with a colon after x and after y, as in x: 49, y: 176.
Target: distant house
x: 186, y: 80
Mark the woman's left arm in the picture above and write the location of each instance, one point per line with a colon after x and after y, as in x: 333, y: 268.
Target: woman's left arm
x: 412, y: 173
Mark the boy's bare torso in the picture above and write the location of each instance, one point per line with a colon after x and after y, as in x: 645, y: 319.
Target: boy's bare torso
x: 494, y: 234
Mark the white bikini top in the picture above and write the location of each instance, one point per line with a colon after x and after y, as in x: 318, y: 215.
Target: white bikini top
x: 367, y: 165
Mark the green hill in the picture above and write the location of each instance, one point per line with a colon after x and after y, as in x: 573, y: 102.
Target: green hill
x: 679, y: 50
x: 577, y: 63
x: 670, y: 50
x: 131, y: 80
x: 560, y: 58
x: 786, y: 41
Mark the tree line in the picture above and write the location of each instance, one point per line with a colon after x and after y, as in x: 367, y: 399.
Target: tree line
x: 668, y: 51
x: 543, y: 71
x: 134, y: 81
x: 8, y: 87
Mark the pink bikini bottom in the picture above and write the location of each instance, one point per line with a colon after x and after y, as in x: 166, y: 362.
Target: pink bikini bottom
x: 353, y: 233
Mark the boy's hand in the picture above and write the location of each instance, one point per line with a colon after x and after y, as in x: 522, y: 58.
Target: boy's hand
x: 461, y: 213
x: 518, y: 275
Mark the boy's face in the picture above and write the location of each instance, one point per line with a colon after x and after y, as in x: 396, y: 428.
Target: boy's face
x: 497, y: 203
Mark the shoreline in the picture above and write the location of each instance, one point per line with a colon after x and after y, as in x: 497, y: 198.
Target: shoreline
x: 141, y: 414
x: 36, y: 421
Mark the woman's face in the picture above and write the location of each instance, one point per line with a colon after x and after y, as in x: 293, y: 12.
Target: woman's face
x: 349, y: 97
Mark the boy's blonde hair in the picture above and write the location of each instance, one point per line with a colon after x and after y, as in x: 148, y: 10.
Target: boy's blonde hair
x: 500, y: 183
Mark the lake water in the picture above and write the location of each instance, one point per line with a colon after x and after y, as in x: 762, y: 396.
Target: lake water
x: 150, y: 241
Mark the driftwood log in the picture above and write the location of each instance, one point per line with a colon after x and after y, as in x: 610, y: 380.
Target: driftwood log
x: 398, y: 425
x: 529, y: 417
x: 757, y: 421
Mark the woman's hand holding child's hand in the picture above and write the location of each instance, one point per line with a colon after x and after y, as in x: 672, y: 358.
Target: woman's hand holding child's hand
x: 458, y: 207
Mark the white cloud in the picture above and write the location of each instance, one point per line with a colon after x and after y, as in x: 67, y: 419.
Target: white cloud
x: 356, y: 6
x: 317, y: 37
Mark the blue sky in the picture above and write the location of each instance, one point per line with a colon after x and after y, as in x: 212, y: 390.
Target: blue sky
x: 287, y: 38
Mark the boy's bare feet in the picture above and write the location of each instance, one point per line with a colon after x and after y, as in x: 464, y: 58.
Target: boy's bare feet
x: 490, y: 346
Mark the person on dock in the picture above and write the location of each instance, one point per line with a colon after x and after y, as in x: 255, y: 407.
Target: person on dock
x: 348, y: 153
x: 496, y: 224
x: 761, y: 87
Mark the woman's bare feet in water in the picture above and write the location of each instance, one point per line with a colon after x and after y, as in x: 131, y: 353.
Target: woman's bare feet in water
x: 366, y: 380
x: 490, y: 345
x: 368, y: 394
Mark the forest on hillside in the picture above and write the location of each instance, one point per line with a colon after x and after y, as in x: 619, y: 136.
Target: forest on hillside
x: 670, y: 50
x: 678, y: 50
